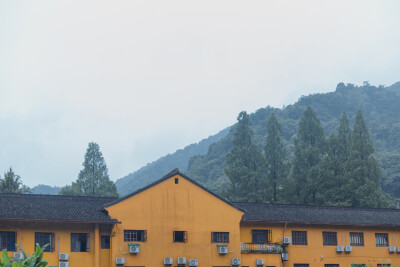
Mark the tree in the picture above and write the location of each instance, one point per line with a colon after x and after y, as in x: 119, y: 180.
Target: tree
x: 12, y: 184
x: 362, y: 170
x: 275, y: 157
x: 306, y: 178
x: 93, y: 179
x: 245, y: 164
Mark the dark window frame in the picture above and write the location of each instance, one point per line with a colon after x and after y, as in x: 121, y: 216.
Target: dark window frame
x: 6, y: 243
x: 329, y: 238
x: 261, y: 236
x: 77, y: 238
x: 385, y: 236
x: 180, y: 236
x: 357, y: 236
x: 331, y: 265
x: 299, y: 238
x: 43, y: 238
x: 135, y: 235
x: 105, y: 241
x: 301, y: 265
x: 220, y: 237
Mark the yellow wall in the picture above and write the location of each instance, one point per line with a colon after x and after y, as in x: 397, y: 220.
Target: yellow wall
x: 166, y: 207
x: 26, y: 239
x: 315, y: 254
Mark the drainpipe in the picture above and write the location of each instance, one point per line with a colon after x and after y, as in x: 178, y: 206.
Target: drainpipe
x: 96, y: 246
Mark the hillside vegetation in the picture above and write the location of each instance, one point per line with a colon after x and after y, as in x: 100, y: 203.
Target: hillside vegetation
x: 206, y: 161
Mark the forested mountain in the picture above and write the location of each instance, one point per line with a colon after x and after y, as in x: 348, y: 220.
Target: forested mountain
x: 160, y: 167
x: 380, y: 107
x: 45, y: 189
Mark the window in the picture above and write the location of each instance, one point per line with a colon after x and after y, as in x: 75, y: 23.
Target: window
x: 8, y: 240
x: 299, y: 237
x: 180, y: 236
x: 356, y: 239
x: 382, y: 240
x: 329, y: 238
x: 45, y: 239
x: 80, y: 242
x: 300, y: 265
x: 176, y: 180
x: 105, y: 241
x: 261, y: 236
x: 331, y: 265
x: 384, y: 265
x: 135, y: 235
x: 357, y: 265
x: 220, y: 237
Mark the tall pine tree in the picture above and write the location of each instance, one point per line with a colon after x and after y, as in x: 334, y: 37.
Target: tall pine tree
x: 275, y: 158
x: 93, y: 179
x: 306, y: 178
x: 12, y: 184
x: 246, y: 164
x: 362, y: 170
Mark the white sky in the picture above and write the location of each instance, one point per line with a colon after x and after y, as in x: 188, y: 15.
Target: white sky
x: 144, y: 78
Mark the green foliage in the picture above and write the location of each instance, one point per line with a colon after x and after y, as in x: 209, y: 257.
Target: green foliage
x: 46, y: 189
x: 245, y: 165
x: 275, y: 160
x: 35, y: 260
x: 12, y: 184
x: 93, y: 179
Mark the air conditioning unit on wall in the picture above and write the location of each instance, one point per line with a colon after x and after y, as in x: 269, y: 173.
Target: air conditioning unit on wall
x: 392, y: 249
x: 235, y: 262
x: 339, y: 249
x: 181, y: 260
x: 119, y: 261
x: 286, y: 240
x: 63, y: 264
x: 193, y: 263
x: 133, y: 249
x: 63, y: 256
x: 223, y: 249
x: 18, y: 256
x: 260, y: 262
x: 348, y: 249
x: 168, y: 261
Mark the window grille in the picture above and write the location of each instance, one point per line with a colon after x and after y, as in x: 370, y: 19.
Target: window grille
x: 356, y: 239
x: 261, y: 236
x: 220, y: 237
x: 382, y: 240
x: 329, y: 238
x: 135, y: 235
x: 299, y: 237
x: 8, y: 240
x: 45, y: 239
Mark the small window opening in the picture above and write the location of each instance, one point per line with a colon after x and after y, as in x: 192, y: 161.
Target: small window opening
x: 176, y: 180
x: 180, y: 236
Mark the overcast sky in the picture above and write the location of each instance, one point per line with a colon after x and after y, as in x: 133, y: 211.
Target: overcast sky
x: 144, y: 78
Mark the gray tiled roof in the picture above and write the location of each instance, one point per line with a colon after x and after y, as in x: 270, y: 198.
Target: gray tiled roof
x: 258, y: 212
x: 54, y: 208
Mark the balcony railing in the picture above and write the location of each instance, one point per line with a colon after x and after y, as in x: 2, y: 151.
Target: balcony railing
x: 260, y: 248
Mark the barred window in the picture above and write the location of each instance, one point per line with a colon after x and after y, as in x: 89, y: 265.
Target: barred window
x: 80, y: 242
x: 384, y: 265
x: 382, y: 240
x: 299, y: 237
x: 45, y: 239
x: 261, y: 236
x: 356, y: 239
x: 135, y: 235
x: 331, y: 265
x: 329, y: 238
x: 357, y: 265
x: 8, y: 240
x: 105, y: 241
x: 220, y: 237
x: 180, y: 236
x: 300, y: 265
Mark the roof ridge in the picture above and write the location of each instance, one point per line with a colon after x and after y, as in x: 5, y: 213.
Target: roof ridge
x: 55, y: 196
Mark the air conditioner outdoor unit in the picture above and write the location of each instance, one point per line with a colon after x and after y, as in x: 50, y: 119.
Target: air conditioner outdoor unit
x: 348, y: 249
x: 181, y: 260
x: 286, y: 240
x: 260, y: 262
x: 18, y: 256
x: 339, y: 249
x: 223, y: 250
x: 285, y: 257
x: 63, y: 264
x: 392, y: 249
x: 168, y: 261
x: 63, y: 256
x: 270, y: 248
x: 134, y: 249
x: 235, y: 262
x: 193, y: 262
x: 398, y: 249
x: 119, y: 261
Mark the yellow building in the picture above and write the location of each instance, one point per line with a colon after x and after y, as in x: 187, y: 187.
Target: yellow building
x: 177, y: 222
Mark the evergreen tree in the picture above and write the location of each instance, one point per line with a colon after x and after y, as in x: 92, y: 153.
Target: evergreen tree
x: 275, y: 158
x: 306, y: 178
x: 245, y: 164
x: 93, y: 180
x: 12, y: 184
x: 362, y: 170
